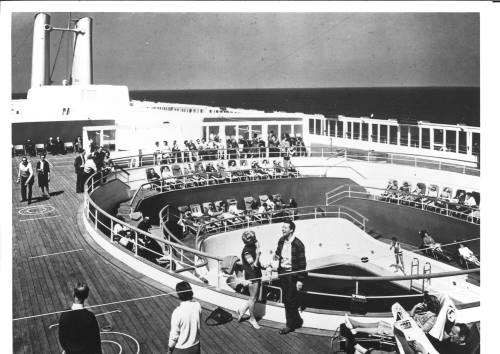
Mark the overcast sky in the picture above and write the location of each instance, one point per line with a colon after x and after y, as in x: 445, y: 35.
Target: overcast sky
x: 267, y: 50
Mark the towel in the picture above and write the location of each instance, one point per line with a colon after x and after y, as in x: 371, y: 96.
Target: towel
x: 447, y: 315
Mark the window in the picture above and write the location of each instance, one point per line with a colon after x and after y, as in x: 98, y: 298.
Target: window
x: 364, y: 131
x: 213, y: 131
x: 311, y: 126
x: 318, y: 127
x: 243, y: 132
x: 438, y: 139
x: 286, y: 129
x: 375, y: 133
x: 355, y: 130
x: 383, y: 134
x: 414, y: 137
x: 256, y: 129
x: 476, y: 143
x: 340, y: 129
x: 462, y: 142
x: 426, y: 138
x: 332, y: 126
x: 297, y: 129
x: 451, y: 140
x: 403, y: 137
x: 393, y: 134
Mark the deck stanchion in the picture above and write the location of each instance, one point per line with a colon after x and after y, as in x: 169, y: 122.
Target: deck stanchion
x: 136, y: 244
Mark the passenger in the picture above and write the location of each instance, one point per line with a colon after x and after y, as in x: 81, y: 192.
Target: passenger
x: 398, y: 254
x: 185, y: 323
x: 251, y: 265
x: 26, y: 178
x: 291, y: 257
x: 467, y: 255
x: 456, y: 343
x: 43, y: 174
x: 424, y: 313
x: 470, y: 200
x: 78, y: 329
x: 429, y: 243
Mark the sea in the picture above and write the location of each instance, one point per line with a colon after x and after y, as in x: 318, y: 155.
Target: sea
x: 448, y: 105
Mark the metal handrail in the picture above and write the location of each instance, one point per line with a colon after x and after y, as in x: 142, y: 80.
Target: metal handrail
x: 365, y: 194
x: 92, y: 184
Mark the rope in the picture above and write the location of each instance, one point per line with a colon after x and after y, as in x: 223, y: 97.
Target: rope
x: 208, y: 287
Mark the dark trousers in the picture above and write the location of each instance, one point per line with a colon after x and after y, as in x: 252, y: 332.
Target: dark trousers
x: 291, y: 300
x: 29, y: 187
x: 80, y: 181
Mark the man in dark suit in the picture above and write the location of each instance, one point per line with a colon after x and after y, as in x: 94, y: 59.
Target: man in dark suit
x: 292, y: 259
x: 78, y: 328
x: 79, y: 163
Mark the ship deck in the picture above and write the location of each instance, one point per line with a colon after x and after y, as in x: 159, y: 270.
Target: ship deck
x: 51, y: 252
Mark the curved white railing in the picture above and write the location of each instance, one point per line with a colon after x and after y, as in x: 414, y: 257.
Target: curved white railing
x: 189, y: 259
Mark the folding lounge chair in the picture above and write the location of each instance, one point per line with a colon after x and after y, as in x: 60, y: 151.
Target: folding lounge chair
x: 19, y: 150
x: 153, y: 178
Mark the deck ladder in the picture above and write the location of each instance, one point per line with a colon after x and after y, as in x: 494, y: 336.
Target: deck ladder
x: 415, y: 264
x: 426, y: 282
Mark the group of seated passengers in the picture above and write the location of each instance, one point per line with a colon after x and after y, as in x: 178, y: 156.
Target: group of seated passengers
x: 197, y: 174
x: 463, y: 202
x: 147, y: 247
x: 456, y: 337
x: 464, y: 254
x: 235, y: 147
x: 222, y: 213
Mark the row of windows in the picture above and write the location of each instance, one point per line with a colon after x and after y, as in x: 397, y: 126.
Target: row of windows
x: 441, y: 139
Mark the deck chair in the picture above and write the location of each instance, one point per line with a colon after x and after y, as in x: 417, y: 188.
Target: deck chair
x: 418, y: 194
x: 188, y: 221
x: 40, y: 149
x: 154, y: 178
x: 233, y: 170
x: 199, y: 171
x: 404, y: 192
x: 391, y: 190
x: 251, y: 208
x: 69, y: 146
x: 431, y: 196
x: 180, y: 180
x: 279, y: 171
x: 19, y: 150
x: 443, y: 199
x: 246, y: 170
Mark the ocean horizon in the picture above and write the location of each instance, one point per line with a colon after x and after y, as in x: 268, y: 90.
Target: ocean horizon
x: 446, y: 105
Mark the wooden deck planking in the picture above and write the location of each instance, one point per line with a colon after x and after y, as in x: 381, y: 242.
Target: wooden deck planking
x: 45, y: 285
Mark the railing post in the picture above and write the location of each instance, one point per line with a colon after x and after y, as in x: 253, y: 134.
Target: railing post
x: 357, y: 287
x: 322, y: 152
x: 112, y: 233
x: 136, y: 244
x: 219, y: 271
x: 95, y: 218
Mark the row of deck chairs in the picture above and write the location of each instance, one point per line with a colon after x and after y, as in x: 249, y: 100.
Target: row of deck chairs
x: 434, y: 198
x: 217, y: 216
x: 178, y: 176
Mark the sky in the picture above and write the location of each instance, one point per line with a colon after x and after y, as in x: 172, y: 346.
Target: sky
x: 175, y: 51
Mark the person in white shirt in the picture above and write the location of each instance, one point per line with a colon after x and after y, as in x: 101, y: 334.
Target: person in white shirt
x: 469, y: 200
x: 466, y: 253
x: 26, y: 177
x: 185, y: 323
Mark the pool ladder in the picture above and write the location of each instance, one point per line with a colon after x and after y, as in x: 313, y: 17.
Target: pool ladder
x: 415, y: 270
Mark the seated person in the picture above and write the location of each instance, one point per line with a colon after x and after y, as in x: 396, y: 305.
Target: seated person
x: 404, y: 191
x: 233, y: 208
x: 428, y: 242
x: 424, y: 313
x: 470, y: 201
x: 467, y: 255
x: 418, y: 193
x: 119, y: 230
x: 392, y: 189
x: 459, y: 200
x: 455, y: 341
x: 431, y: 196
x: 259, y: 171
x: 444, y: 197
x: 151, y: 250
x: 166, y: 174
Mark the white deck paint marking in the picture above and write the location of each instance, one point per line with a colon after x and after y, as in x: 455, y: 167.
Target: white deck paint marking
x: 43, y: 217
x: 38, y: 205
x: 56, y: 253
x: 99, y: 314
x: 129, y: 336
x: 112, y: 341
x: 36, y: 209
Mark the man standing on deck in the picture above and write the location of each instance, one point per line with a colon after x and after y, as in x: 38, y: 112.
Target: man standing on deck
x: 78, y: 329
x: 26, y: 178
x: 43, y: 171
x: 291, y: 256
x: 79, y: 163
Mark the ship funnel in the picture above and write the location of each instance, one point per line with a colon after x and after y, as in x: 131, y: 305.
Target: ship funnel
x: 40, y: 58
x: 82, y: 72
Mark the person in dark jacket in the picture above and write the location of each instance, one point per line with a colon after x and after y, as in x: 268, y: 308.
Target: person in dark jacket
x: 79, y: 164
x: 43, y: 171
x: 291, y: 258
x: 78, y: 328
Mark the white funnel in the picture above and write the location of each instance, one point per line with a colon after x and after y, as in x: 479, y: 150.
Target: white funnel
x: 82, y: 72
x: 40, y: 58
